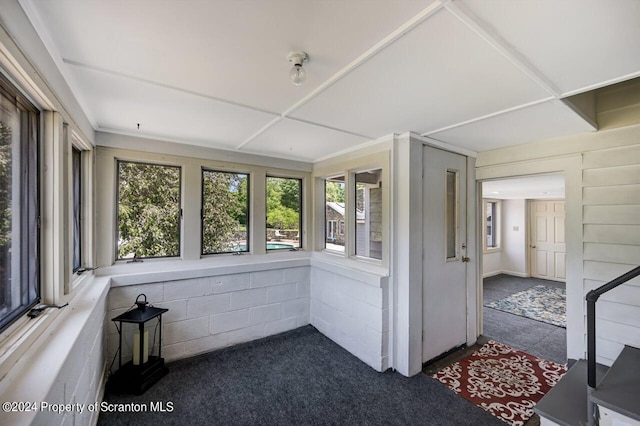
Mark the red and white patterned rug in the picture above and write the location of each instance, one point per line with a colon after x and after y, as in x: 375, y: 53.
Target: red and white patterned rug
x: 504, y: 381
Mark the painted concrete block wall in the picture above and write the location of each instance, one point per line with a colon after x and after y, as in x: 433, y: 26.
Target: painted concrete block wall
x: 65, y: 365
x: 216, y: 311
x: 351, y: 308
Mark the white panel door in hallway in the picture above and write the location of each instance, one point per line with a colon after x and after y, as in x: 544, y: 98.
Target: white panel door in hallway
x: 547, y: 242
x: 444, y: 316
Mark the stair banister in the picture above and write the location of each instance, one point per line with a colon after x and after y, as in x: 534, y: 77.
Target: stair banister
x: 592, y: 297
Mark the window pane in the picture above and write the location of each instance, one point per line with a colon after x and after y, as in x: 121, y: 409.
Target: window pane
x: 76, y: 190
x: 284, y: 201
x: 368, y: 214
x: 18, y: 206
x: 490, y: 211
x: 334, y: 196
x: 451, y: 215
x: 148, y: 210
x: 225, y: 212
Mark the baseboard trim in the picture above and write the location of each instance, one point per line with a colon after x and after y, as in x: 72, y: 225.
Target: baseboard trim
x: 516, y: 274
x: 512, y: 273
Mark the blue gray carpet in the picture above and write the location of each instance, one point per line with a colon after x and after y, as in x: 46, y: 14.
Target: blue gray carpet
x: 295, y: 378
x: 541, y: 303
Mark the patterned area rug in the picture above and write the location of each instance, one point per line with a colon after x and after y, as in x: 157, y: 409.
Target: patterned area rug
x: 541, y: 303
x: 503, y: 381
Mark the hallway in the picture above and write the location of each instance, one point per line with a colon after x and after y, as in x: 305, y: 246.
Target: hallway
x: 537, y: 338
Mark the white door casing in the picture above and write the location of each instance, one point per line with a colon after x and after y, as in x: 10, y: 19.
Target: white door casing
x: 444, y: 317
x: 547, y: 240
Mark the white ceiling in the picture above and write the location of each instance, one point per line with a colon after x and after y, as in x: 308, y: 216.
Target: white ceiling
x: 473, y: 73
x: 529, y: 188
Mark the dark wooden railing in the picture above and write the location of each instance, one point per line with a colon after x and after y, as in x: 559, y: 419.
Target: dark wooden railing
x: 592, y: 297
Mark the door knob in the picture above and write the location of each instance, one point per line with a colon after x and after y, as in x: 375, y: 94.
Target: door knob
x: 465, y: 259
x: 533, y: 246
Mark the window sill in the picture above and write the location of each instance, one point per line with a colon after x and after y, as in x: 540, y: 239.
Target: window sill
x: 360, y: 269
x: 171, y: 270
x: 492, y: 250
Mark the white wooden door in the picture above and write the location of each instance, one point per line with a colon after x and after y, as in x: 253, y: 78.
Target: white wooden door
x: 444, y: 316
x: 547, y: 242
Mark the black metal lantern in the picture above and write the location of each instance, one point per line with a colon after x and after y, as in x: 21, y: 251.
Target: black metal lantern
x: 145, y: 369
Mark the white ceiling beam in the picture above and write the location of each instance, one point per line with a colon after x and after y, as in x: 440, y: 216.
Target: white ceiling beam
x: 488, y: 34
x: 375, y: 49
x: 162, y: 85
x: 484, y: 117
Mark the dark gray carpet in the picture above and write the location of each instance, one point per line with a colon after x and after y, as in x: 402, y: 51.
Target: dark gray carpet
x: 296, y: 378
x: 540, y: 339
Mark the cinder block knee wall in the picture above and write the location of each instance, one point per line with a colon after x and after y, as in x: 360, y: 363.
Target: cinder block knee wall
x: 236, y: 305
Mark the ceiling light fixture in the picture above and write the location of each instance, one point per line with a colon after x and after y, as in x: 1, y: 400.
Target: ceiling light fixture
x: 298, y: 74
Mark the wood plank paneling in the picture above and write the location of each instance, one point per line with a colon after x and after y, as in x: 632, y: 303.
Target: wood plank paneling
x: 622, y: 333
x: 611, y: 157
x: 603, y: 271
x: 615, y: 234
x: 623, y: 175
x: 619, y: 313
x: 613, y: 253
x: 611, y: 195
x: 607, y: 348
x: 625, y: 294
x: 612, y: 215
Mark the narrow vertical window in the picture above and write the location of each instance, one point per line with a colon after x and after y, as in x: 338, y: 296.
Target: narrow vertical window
x: 284, y: 218
x: 149, y: 210
x: 225, y: 212
x: 19, y: 288
x: 76, y: 189
x: 491, y: 212
x: 334, y: 197
x: 451, y: 215
x: 368, y: 213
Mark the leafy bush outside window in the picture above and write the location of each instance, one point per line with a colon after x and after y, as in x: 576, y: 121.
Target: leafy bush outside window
x: 225, y: 212
x: 284, y: 206
x: 148, y: 210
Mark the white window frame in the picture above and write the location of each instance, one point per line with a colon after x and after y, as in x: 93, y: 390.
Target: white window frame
x: 181, y: 186
x: 73, y: 140
x: 248, y: 176
x: 497, y: 225
x: 301, y: 221
x: 349, y: 169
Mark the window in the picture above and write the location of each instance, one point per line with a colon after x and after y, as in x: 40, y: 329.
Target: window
x: 284, y: 206
x: 368, y: 213
x: 19, y: 286
x: 148, y: 210
x: 491, y: 209
x: 451, y: 215
x: 334, y: 197
x: 225, y: 212
x: 76, y: 189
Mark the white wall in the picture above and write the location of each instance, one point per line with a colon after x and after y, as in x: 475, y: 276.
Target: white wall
x: 511, y: 257
x: 514, y: 244
x: 492, y: 263
x: 602, y: 172
x: 66, y: 363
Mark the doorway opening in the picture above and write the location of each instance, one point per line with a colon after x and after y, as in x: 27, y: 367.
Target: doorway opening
x: 523, y: 264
